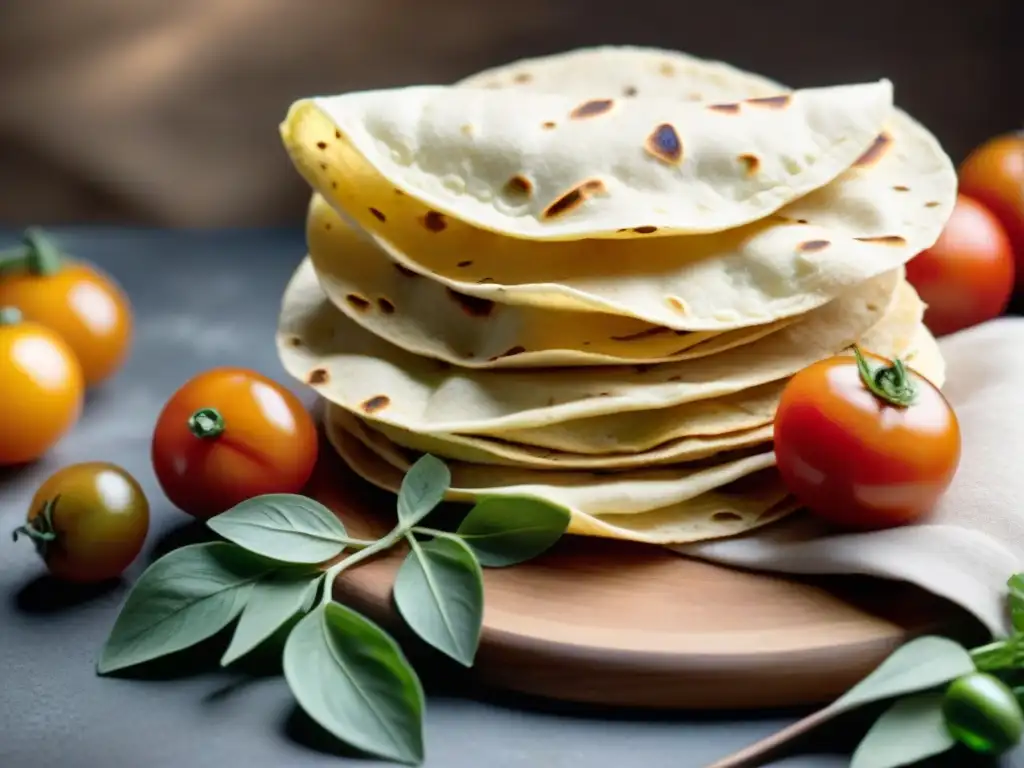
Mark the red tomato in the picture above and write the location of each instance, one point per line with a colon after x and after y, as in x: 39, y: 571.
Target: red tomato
x: 230, y: 434
x: 853, y: 454
x: 993, y: 174
x: 966, y: 278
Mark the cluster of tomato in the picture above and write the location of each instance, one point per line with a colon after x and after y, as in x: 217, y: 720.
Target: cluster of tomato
x: 969, y: 275
x: 226, y: 435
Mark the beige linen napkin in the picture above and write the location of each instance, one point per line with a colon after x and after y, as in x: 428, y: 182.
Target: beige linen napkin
x: 974, y: 540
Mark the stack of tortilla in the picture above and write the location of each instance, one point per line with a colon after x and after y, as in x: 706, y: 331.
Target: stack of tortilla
x: 587, y: 277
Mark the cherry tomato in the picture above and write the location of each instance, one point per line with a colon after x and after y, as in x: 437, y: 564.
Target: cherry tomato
x: 982, y: 713
x: 865, y: 443
x: 230, y: 434
x: 993, y: 174
x: 88, y: 521
x: 77, y: 301
x: 41, y: 389
x: 967, y: 276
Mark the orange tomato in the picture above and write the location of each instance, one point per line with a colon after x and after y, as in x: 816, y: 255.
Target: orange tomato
x: 86, y: 307
x: 230, y: 434
x: 967, y: 276
x: 993, y: 174
x: 865, y: 446
x: 88, y: 521
x: 41, y: 388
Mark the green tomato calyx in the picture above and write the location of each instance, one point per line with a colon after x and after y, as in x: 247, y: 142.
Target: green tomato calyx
x: 890, y: 383
x: 206, y: 423
x: 38, y: 255
x: 40, y: 528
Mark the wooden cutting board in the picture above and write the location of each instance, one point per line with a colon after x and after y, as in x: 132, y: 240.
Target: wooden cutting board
x: 610, y: 622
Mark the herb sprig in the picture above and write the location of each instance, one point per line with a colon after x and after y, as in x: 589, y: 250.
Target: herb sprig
x: 277, y: 565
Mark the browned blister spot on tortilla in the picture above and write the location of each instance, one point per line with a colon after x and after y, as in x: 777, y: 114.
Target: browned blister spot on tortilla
x: 884, y: 239
x: 471, y: 305
x: 664, y: 144
x: 386, y: 306
x: 725, y: 109
x: 323, y: 166
x: 337, y: 133
x: 801, y: 221
x: 358, y: 302
x: 404, y: 270
x: 875, y: 152
x: 751, y: 162
x: 646, y: 229
x: 566, y: 203
x: 318, y: 376
x: 674, y: 378
x: 547, y: 125
x: 901, y: 188
x: 772, y: 102
x: 294, y: 341
x: 321, y: 145
x: 435, y: 221
x: 378, y: 215
x: 523, y: 77
x: 519, y: 185
x: 334, y: 185
x: 644, y: 334
x: 593, y: 187
x: 811, y: 246
x: 591, y: 108
x: 630, y: 91
x: 510, y: 352
x: 464, y: 264
x: 327, y: 226
x: 375, y: 403
x: 483, y: 280
x: 399, y: 192
x: 932, y: 204
x: 676, y: 304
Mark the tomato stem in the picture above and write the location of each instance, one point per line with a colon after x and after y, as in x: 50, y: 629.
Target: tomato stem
x: 40, y: 528
x: 10, y: 316
x: 206, y: 423
x: 890, y: 383
x: 38, y: 255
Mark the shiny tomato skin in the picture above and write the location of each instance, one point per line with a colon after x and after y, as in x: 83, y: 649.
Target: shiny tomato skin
x: 857, y: 461
x: 993, y: 174
x: 84, y: 306
x: 101, y: 517
x: 967, y: 277
x: 42, y: 391
x: 269, y: 442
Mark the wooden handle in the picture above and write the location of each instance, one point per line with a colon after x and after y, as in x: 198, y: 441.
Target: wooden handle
x: 759, y: 753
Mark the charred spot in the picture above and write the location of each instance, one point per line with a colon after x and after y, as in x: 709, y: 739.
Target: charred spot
x: 630, y: 91
x: 725, y: 109
x: 337, y: 133
x: 519, y: 185
x: 674, y: 378
x: 591, y: 108
x: 434, y: 221
x: 884, y: 240
x: 358, y: 302
x: 875, y: 152
x: 676, y: 304
x: 586, y: 343
x: 334, y: 185
x: 802, y: 221
x: 604, y: 394
x: 726, y: 516
x: 932, y: 204
x: 901, y: 188
x: 811, y: 246
x: 471, y: 305
x: 772, y: 102
x: 623, y: 229
x: 378, y: 215
x: 522, y: 77
x: 751, y: 163
x: 645, y: 334
x: 664, y: 144
x: 510, y: 352
x: 321, y: 145
x: 318, y: 376
x: 399, y: 192
x: 386, y: 306
x: 375, y: 403
x: 566, y: 203
x: 646, y: 229
x: 464, y: 264
x: 484, y: 280
x: 547, y: 125
x: 404, y: 270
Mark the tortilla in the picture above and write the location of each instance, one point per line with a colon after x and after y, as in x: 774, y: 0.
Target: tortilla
x: 424, y: 317
x: 352, y: 368
x: 754, y: 500
x: 548, y: 166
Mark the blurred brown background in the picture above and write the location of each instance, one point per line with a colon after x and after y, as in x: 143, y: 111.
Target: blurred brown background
x: 165, y: 112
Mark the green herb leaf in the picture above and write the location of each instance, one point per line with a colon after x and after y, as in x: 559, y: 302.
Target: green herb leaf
x: 910, y: 730
x: 439, y: 591
x: 915, y: 666
x: 352, y: 679
x: 508, y: 530
x: 273, y: 601
x: 283, y: 526
x: 422, y: 489
x: 183, y: 598
x: 1016, y: 586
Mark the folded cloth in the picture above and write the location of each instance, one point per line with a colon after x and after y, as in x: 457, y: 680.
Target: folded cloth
x: 973, y: 541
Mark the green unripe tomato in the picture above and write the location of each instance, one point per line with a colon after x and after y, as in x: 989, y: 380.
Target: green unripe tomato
x: 982, y: 713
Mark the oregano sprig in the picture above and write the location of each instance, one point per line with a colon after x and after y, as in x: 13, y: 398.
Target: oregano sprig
x: 275, y: 570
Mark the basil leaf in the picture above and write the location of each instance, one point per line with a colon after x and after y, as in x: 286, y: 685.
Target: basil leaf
x: 910, y: 730
x: 915, y: 666
x: 352, y: 679
x: 439, y: 591
x: 182, y: 599
x: 1016, y: 586
x: 422, y: 489
x: 507, y: 530
x: 283, y: 526
x: 271, y: 604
